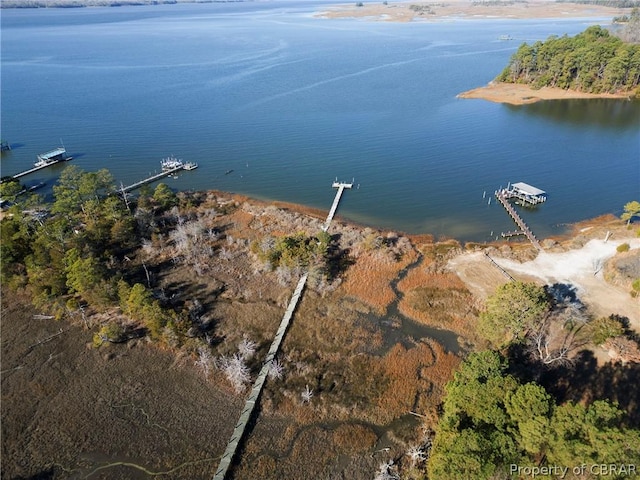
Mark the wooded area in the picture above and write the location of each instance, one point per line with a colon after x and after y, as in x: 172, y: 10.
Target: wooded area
x: 593, y: 61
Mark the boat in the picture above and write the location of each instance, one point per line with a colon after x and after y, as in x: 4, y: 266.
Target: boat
x: 228, y: 172
x: 54, y: 156
x: 190, y: 166
x: 505, y: 37
x: 171, y: 163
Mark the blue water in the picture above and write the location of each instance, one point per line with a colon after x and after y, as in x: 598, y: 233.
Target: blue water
x: 289, y: 101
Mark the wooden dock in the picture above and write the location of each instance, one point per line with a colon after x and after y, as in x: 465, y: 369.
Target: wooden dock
x: 35, y: 169
x: 254, y: 396
x: 256, y: 390
x: 151, y: 179
x: 503, y: 198
x: 340, y: 186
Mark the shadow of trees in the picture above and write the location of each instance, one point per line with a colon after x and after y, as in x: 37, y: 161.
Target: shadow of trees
x: 338, y: 260
x: 583, y: 380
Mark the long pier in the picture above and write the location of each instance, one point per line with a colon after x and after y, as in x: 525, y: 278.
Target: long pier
x: 340, y: 186
x: 151, y: 179
x: 254, y: 396
x: 502, y: 197
x: 35, y: 169
x: 256, y: 390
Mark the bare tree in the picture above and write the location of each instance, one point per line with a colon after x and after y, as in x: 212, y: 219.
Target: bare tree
x: 416, y: 455
x: 387, y: 471
x: 205, y: 360
x: 624, y: 349
x: 247, y: 348
x: 275, y: 370
x: 235, y: 370
x: 306, y: 395
x: 559, y: 333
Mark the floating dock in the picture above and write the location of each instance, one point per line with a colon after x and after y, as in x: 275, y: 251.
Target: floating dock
x: 254, y: 396
x: 528, y: 195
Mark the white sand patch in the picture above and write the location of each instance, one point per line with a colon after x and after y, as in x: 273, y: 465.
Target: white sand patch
x: 571, y: 265
x: 582, y: 268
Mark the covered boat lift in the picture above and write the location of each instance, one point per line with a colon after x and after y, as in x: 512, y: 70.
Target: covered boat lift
x: 525, y: 192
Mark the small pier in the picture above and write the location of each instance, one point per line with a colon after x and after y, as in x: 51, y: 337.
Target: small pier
x: 256, y: 390
x: 528, y: 195
x: 340, y: 186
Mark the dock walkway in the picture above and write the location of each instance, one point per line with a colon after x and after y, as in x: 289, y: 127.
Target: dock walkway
x: 34, y: 169
x: 340, y: 186
x: 151, y: 179
x: 502, y: 196
x: 254, y: 396
x: 256, y: 390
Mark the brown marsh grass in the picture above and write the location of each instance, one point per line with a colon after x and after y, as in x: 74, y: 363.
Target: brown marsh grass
x: 438, y: 299
x: 370, y: 278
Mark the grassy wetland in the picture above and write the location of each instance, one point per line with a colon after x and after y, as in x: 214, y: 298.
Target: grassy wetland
x: 131, y: 333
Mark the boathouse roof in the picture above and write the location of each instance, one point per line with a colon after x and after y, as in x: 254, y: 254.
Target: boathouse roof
x: 527, y: 189
x: 53, y: 153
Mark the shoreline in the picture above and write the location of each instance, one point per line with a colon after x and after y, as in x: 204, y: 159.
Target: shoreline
x: 570, y: 229
x: 519, y: 94
x: 467, y: 10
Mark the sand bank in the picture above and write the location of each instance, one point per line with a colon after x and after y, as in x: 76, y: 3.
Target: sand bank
x: 451, y: 9
x: 518, y: 94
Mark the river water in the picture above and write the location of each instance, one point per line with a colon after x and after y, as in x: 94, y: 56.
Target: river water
x: 290, y: 101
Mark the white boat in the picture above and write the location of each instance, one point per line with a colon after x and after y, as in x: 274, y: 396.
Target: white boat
x: 190, y: 166
x: 171, y: 163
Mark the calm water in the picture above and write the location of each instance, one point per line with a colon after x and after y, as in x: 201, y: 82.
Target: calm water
x: 289, y: 102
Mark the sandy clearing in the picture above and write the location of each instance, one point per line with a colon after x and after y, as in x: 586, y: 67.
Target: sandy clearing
x: 573, y: 267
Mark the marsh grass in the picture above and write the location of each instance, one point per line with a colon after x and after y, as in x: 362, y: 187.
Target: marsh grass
x: 416, y: 378
x: 370, y: 278
x: 438, y: 299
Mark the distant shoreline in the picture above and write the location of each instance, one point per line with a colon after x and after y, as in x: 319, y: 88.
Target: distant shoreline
x: 406, y: 11
x: 20, y: 4
x: 519, y: 94
x: 393, y: 11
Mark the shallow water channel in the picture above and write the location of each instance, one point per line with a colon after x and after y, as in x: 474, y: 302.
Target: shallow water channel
x: 398, y: 328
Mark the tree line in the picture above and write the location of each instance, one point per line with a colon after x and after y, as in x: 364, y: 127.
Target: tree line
x: 593, y: 61
x: 492, y: 422
x: 494, y: 417
x: 71, y: 255
x: 76, y: 252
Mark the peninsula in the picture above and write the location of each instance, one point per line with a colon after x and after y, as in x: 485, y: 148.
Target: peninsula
x: 593, y: 64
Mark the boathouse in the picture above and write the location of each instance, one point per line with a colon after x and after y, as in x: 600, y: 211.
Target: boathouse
x: 57, y: 155
x: 526, y: 193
